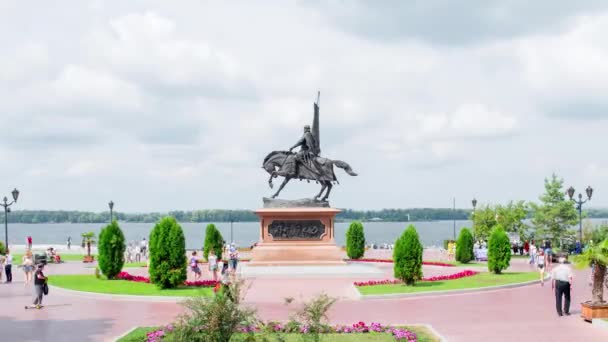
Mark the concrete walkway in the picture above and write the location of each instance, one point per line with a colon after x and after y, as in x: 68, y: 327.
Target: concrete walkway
x: 501, y: 315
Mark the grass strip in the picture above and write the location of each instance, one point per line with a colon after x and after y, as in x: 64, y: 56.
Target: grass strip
x: 481, y: 280
x: 89, y: 283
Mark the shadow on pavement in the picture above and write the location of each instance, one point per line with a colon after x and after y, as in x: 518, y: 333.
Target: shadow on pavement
x: 53, y: 330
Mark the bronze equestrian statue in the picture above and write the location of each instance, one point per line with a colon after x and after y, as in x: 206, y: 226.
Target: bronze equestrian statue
x: 306, y: 163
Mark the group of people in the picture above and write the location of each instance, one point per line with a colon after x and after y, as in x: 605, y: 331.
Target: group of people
x: 135, y: 251
x: 561, y: 276
x: 228, y: 265
x: 33, y: 274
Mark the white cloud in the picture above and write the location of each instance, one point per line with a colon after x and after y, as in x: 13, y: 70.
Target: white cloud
x: 150, y: 100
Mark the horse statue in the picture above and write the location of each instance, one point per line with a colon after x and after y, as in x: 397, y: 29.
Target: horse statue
x: 284, y: 164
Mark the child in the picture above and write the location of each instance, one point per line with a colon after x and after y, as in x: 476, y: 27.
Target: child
x: 194, y: 266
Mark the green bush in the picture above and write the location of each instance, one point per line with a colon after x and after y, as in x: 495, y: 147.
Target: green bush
x: 499, y: 250
x: 464, y: 246
x: 407, y: 257
x: 2, y: 249
x: 214, y: 319
x: 213, y: 240
x: 111, y: 250
x: 167, y: 254
x: 355, y: 240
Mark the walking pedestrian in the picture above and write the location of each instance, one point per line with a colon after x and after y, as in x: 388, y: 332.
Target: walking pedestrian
x: 234, y: 258
x: 562, y: 285
x: 212, y: 259
x: 144, y: 247
x: 541, y: 262
x: 39, y: 284
x: 28, y: 266
x: 8, y: 266
x: 548, y: 253
x: 29, y: 242
x: 533, y: 252
x: 69, y: 242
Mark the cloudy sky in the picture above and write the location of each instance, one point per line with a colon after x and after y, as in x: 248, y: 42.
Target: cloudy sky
x: 162, y: 105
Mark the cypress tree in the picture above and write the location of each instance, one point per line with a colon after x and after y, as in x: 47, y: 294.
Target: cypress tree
x: 167, y: 254
x: 111, y: 250
x: 355, y: 240
x: 213, y: 240
x: 499, y: 250
x: 407, y: 257
x: 464, y: 246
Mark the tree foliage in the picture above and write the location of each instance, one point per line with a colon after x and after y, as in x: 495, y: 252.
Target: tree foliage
x: 499, y: 251
x: 355, y: 240
x: 167, y: 254
x: 213, y: 241
x: 484, y: 220
x: 596, y: 255
x: 2, y: 249
x: 511, y: 217
x: 555, y: 214
x: 111, y: 250
x: 464, y: 246
x: 407, y: 257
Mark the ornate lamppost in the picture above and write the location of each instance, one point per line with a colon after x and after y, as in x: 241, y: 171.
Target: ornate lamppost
x: 579, y: 207
x: 474, y: 203
x: 7, y: 210
x: 111, y: 205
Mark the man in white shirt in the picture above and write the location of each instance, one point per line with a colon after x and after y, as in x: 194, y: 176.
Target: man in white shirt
x: 562, y: 284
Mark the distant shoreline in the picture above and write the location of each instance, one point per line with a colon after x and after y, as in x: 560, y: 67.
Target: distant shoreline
x: 242, y: 215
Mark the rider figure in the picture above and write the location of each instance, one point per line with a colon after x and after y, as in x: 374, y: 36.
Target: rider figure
x: 308, y: 151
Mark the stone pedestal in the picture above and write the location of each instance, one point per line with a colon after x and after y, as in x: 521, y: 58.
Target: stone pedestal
x: 296, y: 236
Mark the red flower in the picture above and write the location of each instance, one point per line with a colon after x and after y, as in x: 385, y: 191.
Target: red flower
x: 463, y: 274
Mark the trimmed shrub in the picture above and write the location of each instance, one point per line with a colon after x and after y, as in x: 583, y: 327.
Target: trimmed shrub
x: 167, y: 254
x: 407, y: 257
x: 2, y: 249
x: 499, y: 250
x: 355, y: 240
x: 213, y: 240
x: 464, y: 246
x: 111, y: 250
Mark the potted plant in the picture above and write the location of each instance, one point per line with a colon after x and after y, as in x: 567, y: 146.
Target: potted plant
x: 88, y: 239
x: 596, y: 256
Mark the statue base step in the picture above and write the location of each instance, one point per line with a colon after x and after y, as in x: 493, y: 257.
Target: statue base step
x: 296, y: 253
x: 296, y: 236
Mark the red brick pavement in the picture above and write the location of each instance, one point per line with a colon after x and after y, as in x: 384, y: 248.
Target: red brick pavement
x: 501, y: 315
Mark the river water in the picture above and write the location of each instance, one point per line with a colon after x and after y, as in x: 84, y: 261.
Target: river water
x: 244, y: 233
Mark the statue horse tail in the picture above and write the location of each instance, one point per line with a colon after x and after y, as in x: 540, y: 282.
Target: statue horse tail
x: 345, y: 167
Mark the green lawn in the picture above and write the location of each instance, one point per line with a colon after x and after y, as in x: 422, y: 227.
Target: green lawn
x: 424, y: 335
x: 135, y: 264
x: 484, y: 279
x: 89, y: 283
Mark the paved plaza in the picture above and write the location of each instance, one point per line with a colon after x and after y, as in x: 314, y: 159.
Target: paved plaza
x: 496, y: 315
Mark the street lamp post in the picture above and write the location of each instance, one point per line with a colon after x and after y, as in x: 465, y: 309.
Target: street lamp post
x: 474, y: 202
x: 579, y: 207
x: 7, y: 210
x: 111, y: 205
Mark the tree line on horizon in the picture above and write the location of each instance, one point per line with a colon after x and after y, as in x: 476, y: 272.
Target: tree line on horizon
x: 510, y: 215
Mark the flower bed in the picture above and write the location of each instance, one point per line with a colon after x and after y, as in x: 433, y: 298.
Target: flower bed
x: 400, y: 334
x: 142, y: 279
x: 463, y: 274
x: 390, y: 261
